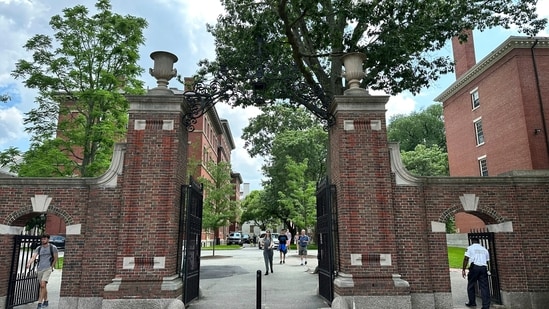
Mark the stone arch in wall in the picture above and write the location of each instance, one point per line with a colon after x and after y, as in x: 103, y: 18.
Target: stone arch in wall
x: 471, y: 204
x: 20, y: 217
x: 40, y: 204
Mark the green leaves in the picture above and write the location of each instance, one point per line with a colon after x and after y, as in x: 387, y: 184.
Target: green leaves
x: 426, y: 161
x: 295, y: 146
x: 425, y: 127
x: 298, y: 197
x: 219, y: 208
x: 81, y: 73
x: 275, y: 119
x: 4, y: 98
x: 400, y: 39
x: 422, y: 141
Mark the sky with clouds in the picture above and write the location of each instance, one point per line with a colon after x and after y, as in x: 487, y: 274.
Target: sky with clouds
x: 177, y: 26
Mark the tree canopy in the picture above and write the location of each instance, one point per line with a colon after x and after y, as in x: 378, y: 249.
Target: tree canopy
x: 426, y: 161
x: 422, y: 141
x: 275, y: 119
x: 291, y: 49
x: 81, y: 74
x: 424, y: 127
x: 219, y: 208
x: 295, y: 146
x: 255, y: 208
x: 298, y: 198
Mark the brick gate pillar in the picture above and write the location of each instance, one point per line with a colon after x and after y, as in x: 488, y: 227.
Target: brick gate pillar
x: 154, y: 171
x: 360, y: 168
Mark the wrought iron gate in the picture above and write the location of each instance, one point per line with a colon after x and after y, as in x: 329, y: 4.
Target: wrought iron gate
x: 191, y: 194
x: 486, y: 239
x: 325, y: 227
x: 23, y: 286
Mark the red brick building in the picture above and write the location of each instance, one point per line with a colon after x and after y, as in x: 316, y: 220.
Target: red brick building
x: 211, y: 141
x: 496, y: 113
x: 133, y: 213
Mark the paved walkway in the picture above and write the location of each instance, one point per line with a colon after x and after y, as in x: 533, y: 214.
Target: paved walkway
x: 229, y: 280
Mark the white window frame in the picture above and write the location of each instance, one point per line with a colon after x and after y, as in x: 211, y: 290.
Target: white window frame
x: 482, y: 166
x: 475, y: 99
x: 479, y: 134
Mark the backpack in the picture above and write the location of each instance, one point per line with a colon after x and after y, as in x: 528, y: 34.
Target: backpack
x: 51, y: 253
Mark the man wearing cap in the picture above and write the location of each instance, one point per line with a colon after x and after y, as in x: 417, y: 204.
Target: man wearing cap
x: 47, y: 255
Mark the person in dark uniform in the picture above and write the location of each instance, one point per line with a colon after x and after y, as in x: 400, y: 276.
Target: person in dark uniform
x: 477, y: 258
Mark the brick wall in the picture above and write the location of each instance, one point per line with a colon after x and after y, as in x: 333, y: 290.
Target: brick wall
x: 386, y: 211
x: 71, y: 199
x: 131, y: 212
x: 511, y: 111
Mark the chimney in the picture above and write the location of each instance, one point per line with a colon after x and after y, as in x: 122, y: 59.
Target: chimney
x: 464, y: 53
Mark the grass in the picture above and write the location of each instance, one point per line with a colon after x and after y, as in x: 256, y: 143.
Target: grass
x: 59, y: 263
x: 222, y: 247
x: 237, y: 247
x: 455, y: 257
x: 455, y: 254
x: 311, y: 246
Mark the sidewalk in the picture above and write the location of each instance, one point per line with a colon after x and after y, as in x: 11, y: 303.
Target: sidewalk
x: 228, y: 280
x: 54, y: 287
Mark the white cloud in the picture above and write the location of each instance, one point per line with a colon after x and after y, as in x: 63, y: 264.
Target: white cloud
x: 11, y: 126
x: 400, y: 104
x: 177, y: 26
x: 248, y: 167
x: 543, y: 11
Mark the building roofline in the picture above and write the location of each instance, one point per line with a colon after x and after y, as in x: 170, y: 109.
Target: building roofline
x: 228, y: 133
x: 513, y: 42
x: 237, y: 176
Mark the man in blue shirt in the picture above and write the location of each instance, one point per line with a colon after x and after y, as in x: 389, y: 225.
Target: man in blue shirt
x: 282, y: 242
x: 302, y: 243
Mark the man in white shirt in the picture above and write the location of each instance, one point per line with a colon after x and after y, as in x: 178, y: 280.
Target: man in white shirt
x: 477, y: 256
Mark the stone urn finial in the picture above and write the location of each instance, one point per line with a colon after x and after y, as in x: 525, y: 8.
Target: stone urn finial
x: 163, y: 70
x: 354, y: 72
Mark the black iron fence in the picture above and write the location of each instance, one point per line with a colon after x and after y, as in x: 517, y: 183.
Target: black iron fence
x: 325, y: 226
x: 23, y: 287
x: 193, y: 197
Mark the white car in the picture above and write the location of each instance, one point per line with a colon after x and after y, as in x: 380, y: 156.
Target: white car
x: 235, y: 238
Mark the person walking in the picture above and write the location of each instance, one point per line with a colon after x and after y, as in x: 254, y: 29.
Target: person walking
x: 268, y: 245
x: 282, y: 245
x: 477, y: 257
x: 47, y: 255
x: 289, y: 242
x: 302, y: 243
